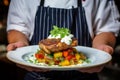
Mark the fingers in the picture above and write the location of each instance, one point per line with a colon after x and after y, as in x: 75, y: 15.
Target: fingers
x: 106, y: 48
x: 13, y: 46
x: 21, y: 44
x: 92, y: 69
x: 28, y: 68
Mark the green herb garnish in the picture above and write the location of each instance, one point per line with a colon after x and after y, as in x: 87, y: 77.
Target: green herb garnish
x: 59, y: 31
x: 87, y: 61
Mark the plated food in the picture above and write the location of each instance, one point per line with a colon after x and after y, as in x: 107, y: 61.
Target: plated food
x: 59, y: 52
x: 26, y: 56
x: 58, y: 40
x: 58, y: 49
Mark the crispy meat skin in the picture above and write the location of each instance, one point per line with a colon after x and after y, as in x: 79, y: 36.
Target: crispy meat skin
x: 55, y: 45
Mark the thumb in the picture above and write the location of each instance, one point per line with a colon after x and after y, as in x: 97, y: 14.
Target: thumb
x: 11, y: 47
x: 106, y: 48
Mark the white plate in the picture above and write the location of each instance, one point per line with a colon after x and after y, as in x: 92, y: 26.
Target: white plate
x: 96, y: 57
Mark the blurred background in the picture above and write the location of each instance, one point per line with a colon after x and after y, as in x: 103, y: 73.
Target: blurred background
x: 9, y: 70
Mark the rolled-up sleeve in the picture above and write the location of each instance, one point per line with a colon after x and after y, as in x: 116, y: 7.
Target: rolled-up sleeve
x: 107, y: 18
x: 17, y: 17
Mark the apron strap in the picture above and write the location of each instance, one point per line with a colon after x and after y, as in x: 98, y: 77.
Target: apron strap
x: 42, y: 2
x: 79, y: 2
x: 73, y: 28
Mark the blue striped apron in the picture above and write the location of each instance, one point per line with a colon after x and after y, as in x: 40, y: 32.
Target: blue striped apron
x: 75, y: 20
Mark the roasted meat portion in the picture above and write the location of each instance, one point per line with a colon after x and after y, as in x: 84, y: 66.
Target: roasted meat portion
x: 55, y: 45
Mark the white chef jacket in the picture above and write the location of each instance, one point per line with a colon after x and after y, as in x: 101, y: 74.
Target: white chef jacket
x: 101, y: 15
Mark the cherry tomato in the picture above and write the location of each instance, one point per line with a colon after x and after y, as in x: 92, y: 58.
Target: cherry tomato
x: 39, y: 56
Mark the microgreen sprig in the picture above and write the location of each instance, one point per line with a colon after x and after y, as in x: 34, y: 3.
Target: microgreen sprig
x: 59, y: 31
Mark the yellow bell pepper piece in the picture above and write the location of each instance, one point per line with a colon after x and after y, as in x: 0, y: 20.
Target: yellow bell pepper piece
x: 77, y: 56
x: 57, y: 54
x: 64, y: 63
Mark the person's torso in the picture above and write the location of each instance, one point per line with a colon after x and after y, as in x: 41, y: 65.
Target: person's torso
x: 67, y: 4
x: 73, y: 18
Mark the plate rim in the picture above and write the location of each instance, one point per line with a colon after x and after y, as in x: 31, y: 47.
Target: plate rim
x: 55, y: 67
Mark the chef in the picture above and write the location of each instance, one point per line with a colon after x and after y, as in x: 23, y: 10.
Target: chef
x: 93, y: 22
